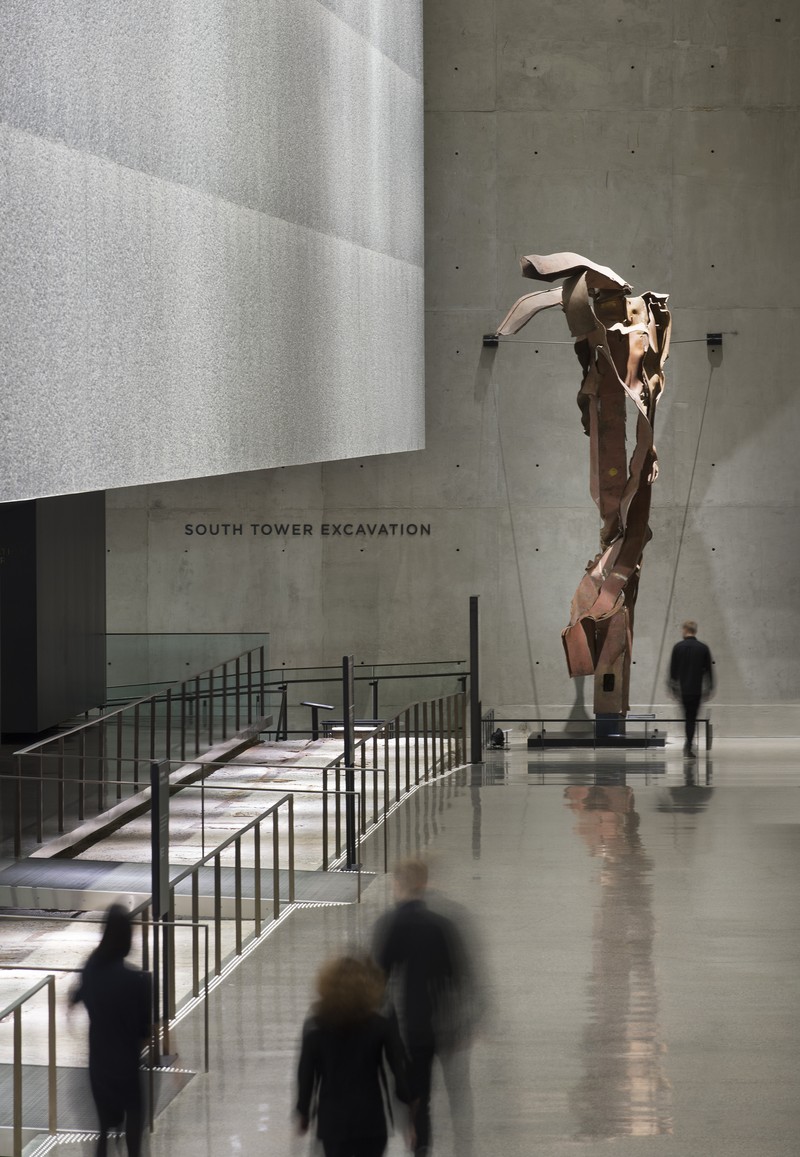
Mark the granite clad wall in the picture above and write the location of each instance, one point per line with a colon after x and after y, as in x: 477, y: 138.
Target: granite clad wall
x: 212, y: 237
x: 659, y: 139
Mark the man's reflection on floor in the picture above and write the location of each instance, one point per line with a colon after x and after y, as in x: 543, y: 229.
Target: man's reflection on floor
x: 624, y: 1091
x: 695, y: 792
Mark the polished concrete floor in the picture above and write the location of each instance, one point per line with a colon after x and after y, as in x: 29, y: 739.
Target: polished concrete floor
x: 640, y: 941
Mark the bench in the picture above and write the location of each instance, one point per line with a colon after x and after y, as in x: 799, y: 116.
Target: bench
x: 332, y: 727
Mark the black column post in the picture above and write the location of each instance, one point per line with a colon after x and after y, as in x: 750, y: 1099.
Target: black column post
x: 348, y: 704
x: 476, y: 738
x: 159, y: 857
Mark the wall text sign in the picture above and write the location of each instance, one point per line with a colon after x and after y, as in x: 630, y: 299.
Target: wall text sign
x: 308, y: 529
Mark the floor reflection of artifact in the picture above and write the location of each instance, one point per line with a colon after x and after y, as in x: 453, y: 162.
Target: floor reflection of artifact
x: 624, y: 1091
x: 622, y: 342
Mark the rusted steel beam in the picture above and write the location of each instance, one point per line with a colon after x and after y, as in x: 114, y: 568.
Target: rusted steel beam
x: 622, y: 343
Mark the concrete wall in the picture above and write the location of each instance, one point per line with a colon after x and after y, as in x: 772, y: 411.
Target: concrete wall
x: 659, y: 139
x: 212, y: 252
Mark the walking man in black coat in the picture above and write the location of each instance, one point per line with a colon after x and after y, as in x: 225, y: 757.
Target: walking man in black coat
x: 691, y: 678
x: 424, y: 955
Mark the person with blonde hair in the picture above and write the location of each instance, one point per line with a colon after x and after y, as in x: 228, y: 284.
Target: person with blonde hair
x: 344, y: 1044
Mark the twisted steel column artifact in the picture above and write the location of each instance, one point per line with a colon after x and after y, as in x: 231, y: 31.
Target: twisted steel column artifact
x: 622, y: 342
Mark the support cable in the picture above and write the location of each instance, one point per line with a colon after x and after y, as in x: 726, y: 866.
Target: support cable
x: 680, y: 539
x: 516, y: 549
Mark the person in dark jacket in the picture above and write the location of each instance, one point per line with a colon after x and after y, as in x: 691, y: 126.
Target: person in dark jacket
x: 423, y: 953
x: 691, y: 678
x: 118, y: 999
x: 345, y: 1042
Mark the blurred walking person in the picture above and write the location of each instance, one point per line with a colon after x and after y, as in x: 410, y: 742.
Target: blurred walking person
x: 118, y: 999
x: 434, y: 988
x: 341, y: 1077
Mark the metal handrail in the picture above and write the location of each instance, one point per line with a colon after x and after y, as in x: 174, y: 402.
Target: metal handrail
x: 104, y: 718
x: 373, y: 666
x: 443, y: 738
x: 201, y: 785
x: 158, y: 1031
x: 215, y: 855
x: 439, y: 735
x: 15, y: 1008
x: 196, y: 926
x: 153, y: 729
x: 366, y: 678
x: 166, y: 696
x: 447, y: 718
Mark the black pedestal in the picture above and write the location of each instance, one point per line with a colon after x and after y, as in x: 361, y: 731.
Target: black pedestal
x: 609, y: 726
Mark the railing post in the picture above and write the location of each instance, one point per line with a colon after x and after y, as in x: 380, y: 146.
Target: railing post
x: 101, y: 767
x: 168, y: 728
x: 261, y: 684
x: 217, y: 916
x: 276, y: 867
x: 363, y: 811
x: 183, y: 721
x: 385, y: 819
x: 52, y: 1091
x: 135, y: 747
x: 450, y: 760
x: 206, y: 1013
x: 146, y: 939
x: 407, y: 720
x: 433, y: 737
x: 257, y: 878
x: 425, y: 736
x: 119, y: 755
x: 17, y: 1090
x: 249, y: 687
x: 197, y: 715
x: 170, y: 978
x: 457, y: 726
x: 416, y: 743
x: 196, y: 933
x: 237, y: 894
x: 386, y: 729
x: 40, y: 802
x: 291, y: 848
x: 18, y: 811
x: 397, y: 752
x: 325, y: 820
x: 338, y: 781
x: 152, y: 728
x: 211, y: 708
x: 238, y: 699
x: 82, y: 776
x: 476, y: 749
x: 224, y: 700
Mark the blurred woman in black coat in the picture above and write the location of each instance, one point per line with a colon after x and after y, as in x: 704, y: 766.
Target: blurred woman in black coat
x: 344, y: 1044
x: 118, y: 1001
